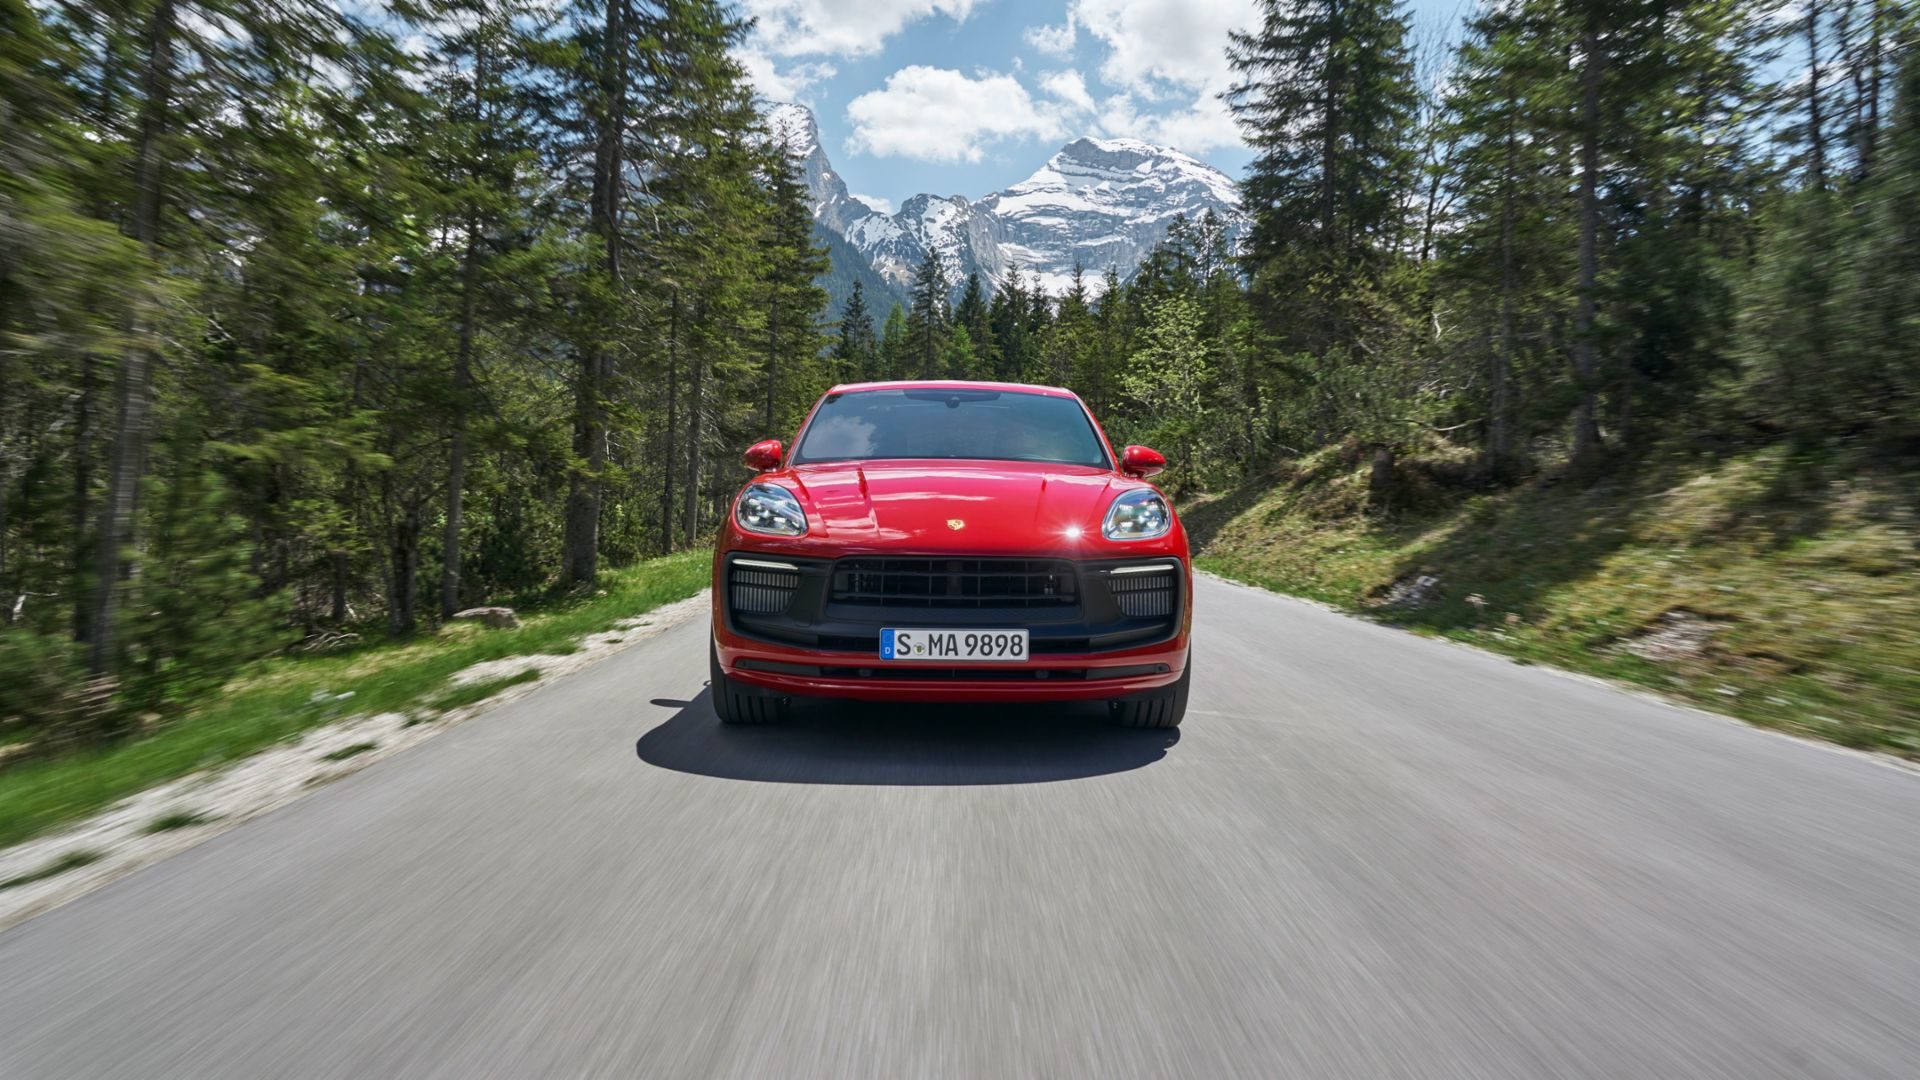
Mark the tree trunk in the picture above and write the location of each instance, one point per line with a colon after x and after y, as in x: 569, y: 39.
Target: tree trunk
x: 1586, y: 431
x: 133, y: 388
x: 581, y: 545
x: 403, y: 589
x: 7, y: 459
x: 1876, y: 61
x: 1329, y: 147
x: 695, y: 379
x: 1816, y: 136
x: 581, y: 542
x: 338, y: 612
x: 673, y: 424
x: 457, y: 452
x: 84, y: 556
x: 773, y: 361
x: 1500, y: 409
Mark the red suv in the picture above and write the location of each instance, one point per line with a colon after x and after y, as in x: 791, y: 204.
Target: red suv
x: 952, y: 541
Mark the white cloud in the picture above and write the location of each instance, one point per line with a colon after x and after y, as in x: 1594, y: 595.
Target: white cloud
x: 875, y: 202
x: 1069, y: 88
x: 840, y: 27
x: 942, y: 115
x: 1197, y: 128
x: 773, y: 82
x: 1054, y: 40
x: 1166, y: 60
x: 1151, y: 42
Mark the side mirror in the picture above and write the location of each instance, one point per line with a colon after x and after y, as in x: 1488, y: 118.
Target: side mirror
x: 765, y: 456
x: 1142, y: 461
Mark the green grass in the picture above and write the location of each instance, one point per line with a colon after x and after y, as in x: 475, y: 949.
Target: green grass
x: 461, y: 696
x: 1807, y: 571
x: 280, y: 698
x: 346, y: 752
x: 72, y: 860
x: 178, y: 819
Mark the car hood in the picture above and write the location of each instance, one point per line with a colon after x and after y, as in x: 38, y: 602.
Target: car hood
x: 956, y: 506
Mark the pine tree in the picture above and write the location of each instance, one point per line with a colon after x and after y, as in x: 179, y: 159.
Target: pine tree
x: 1070, y: 337
x: 1008, y: 316
x: 1884, y: 282
x: 484, y: 148
x: 1505, y: 111
x: 1102, y: 363
x: 856, y: 350
x: 927, y: 320
x: 794, y: 300
x: 187, y: 69
x: 609, y: 54
x: 958, y: 360
x: 896, y: 346
x: 68, y: 282
x: 701, y: 241
x: 1326, y: 100
x: 974, y: 314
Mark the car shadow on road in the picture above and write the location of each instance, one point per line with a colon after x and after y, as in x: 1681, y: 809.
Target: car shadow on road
x: 831, y: 742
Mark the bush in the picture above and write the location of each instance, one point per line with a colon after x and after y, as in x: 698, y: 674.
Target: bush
x: 44, y: 682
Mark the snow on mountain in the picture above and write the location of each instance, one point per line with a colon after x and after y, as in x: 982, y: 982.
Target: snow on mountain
x: 795, y: 125
x: 833, y: 205
x: 1100, y: 202
x: 1104, y: 202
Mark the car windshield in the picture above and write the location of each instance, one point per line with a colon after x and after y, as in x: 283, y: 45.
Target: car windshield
x: 996, y: 425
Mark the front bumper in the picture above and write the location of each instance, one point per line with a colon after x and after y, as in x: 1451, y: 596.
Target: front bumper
x: 818, y: 646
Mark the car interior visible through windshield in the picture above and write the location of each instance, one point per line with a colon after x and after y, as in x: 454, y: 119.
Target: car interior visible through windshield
x: 993, y: 425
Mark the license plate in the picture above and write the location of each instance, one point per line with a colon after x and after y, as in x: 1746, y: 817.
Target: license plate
x: 993, y: 646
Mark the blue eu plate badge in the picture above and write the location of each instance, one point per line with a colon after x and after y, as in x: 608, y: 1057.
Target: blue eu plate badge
x: 886, y: 644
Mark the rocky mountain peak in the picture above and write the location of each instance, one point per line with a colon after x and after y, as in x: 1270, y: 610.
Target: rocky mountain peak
x: 1097, y: 202
x: 795, y: 125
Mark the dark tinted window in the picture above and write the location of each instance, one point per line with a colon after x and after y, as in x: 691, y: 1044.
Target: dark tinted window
x: 991, y: 424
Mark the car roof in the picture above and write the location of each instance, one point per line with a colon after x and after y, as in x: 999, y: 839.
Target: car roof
x: 953, y: 384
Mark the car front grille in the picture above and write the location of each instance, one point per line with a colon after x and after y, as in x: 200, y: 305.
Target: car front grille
x: 946, y: 584
x: 1143, y: 593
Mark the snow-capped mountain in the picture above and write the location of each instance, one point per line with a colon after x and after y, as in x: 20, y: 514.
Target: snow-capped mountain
x: 1098, y: 202
x: 833, y: 205
x: 1104, y: 202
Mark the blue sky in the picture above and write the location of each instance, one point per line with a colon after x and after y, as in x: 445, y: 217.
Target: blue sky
x: 965, y: 97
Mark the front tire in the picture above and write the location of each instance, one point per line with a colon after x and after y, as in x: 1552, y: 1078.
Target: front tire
x: 1162, y: 708
x: 737, y: 703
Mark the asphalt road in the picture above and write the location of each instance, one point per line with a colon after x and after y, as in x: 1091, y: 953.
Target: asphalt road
x: 1366, y: 855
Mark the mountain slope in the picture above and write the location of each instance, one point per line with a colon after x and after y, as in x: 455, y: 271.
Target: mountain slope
x: 851, y: 265
x: 1104, y: 202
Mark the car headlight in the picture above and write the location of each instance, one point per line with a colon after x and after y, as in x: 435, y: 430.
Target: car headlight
x: 770, y: 511
x: 1140, y: 514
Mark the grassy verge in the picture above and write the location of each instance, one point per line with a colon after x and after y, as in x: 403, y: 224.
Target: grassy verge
x: 179, y: 819
x: 279, y: 698
x: 1781, y: 589
x: 473, y: 692
x: 72, y: 860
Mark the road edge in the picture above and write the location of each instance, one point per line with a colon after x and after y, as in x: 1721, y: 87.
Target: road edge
x: 275, y: 777
x: 1910, y: 768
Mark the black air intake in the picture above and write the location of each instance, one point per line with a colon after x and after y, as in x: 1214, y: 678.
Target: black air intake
x: 760, y: 588
x: 1143, y: 592
x: 932, y: 583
